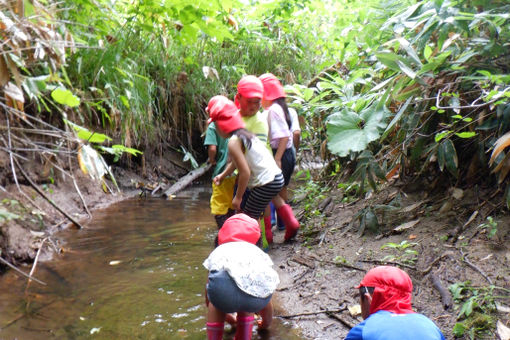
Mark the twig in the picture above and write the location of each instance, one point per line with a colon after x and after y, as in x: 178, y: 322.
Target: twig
x: 35, y: 263
x: 459, y: 230
x: 289, y: 316
x: 466, y: 261
x: 342, y: 320
x: 9, y: 145
x: 7, y: 263
x: 433, y: 263
x: 346, y: 265
x: 390, y: 262
x: 46, y: 197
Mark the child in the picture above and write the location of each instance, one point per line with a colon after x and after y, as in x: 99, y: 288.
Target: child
x: 256, y: 167
x: 221, y: 197
x: 280, y: 123
x: 241, y: 279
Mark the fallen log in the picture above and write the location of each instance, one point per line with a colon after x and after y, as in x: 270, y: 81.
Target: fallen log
x: 186, y: 180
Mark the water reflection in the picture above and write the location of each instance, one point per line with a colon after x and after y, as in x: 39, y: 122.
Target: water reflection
x: 135, y: 272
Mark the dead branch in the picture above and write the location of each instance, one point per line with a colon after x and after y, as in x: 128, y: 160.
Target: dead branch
x: 289, y: 316
x: 346, y: 323
x: 466, y: 261
x: 35, y: 263
x: 46, y: 197
x: 454, y: 235
x: 346, y: 265
x: 390, y: 263
x: 8, y: 264
x: 186, y: 180
x: 433, y: 263
x: 446, y: 298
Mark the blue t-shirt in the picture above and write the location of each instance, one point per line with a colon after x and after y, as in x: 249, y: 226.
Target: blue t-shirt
x: 384, y: 325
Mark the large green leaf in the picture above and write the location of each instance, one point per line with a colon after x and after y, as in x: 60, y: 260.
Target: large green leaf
x: 65, y: 97
x: 349, y: 131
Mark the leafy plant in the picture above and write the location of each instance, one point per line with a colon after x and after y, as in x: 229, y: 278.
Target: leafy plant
x: 403, y: 252
x: 477, y: 304
x: 491, y: 227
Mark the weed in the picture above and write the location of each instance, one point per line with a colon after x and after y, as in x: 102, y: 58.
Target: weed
x: 477, y: 304
x: 491, y: 227
x: 403, y: 253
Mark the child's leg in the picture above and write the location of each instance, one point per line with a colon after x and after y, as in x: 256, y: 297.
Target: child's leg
x: 244, y: 326
x: 267, y: 316
x: 215, y: 323
x: 285, y: 211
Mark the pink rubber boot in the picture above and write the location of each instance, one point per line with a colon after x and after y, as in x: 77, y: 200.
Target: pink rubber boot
x: 215, y: 330
x: 291, y: 223
x: 267, y: 228
x: 244, y: 327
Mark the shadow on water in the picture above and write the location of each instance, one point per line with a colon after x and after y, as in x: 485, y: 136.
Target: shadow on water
x: 135, y: 272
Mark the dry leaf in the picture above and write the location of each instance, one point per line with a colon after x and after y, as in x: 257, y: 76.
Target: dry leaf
x: 499, y: 146
x: 354, y: 310
x: 4, y: 72
x: 412, y: 236
x: 407, y: 225
x: 503, y: 331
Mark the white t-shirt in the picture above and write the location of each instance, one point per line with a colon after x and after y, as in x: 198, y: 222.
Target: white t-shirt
x: 278, y: 127
x: 261, y: 163
x: 250, y: 268
x: 294, y: 120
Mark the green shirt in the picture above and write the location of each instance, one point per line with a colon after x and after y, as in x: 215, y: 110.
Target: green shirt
x: 213, y: 138
x: 257, y: 125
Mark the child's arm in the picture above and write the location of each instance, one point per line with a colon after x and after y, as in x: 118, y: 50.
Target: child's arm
x: 229, y: 169
x: 236, y: 152
x: 282, y: 146
x: 211, y: 152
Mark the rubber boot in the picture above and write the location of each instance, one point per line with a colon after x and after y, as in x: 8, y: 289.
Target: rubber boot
x: 267, y: 226
x: 291, y: 223
x: 215, y: 330
x: 244, y: 327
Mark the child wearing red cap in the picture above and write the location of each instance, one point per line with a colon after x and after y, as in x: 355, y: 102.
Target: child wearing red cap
x: 257, y: 169
x: 221, y: 197
x: 241, y: 279
x: 280, y: 133
x: 385, y: 299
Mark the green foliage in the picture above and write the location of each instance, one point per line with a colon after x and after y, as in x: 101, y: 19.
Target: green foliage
x: 439, y: 71
x: 491, y: 227
x: 477, y: 305
x: 403, y: 252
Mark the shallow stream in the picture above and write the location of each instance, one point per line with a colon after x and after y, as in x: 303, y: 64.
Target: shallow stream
x: 134, y: 272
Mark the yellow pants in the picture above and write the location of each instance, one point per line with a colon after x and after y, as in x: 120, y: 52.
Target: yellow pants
x: 222, y: 195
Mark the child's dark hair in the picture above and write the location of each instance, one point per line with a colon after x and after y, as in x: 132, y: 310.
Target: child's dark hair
x: 245, y: 136
x: 281, y: 101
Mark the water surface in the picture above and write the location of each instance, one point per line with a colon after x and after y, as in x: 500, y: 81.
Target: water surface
x: 134, y: 272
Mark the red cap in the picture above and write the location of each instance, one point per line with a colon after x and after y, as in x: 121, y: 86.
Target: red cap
x: 239, y: 227
x: 226, y: 115
x: 393, y: 288
x: 249, y: 87
x: 273, y: 89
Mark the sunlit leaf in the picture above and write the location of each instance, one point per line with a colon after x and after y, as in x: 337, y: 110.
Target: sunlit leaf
x: 65, y: 97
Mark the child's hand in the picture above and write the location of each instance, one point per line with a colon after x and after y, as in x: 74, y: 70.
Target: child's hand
x: 217, y: 180
x: 236, y: 203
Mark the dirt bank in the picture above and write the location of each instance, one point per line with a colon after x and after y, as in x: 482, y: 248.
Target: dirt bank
x: 440, y: 242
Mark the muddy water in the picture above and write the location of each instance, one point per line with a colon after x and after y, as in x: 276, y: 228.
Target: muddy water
x: 134, y: 272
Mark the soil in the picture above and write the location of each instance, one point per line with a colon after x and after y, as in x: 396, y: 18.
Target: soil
x: 320, y: 269
x: 329, y: 258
